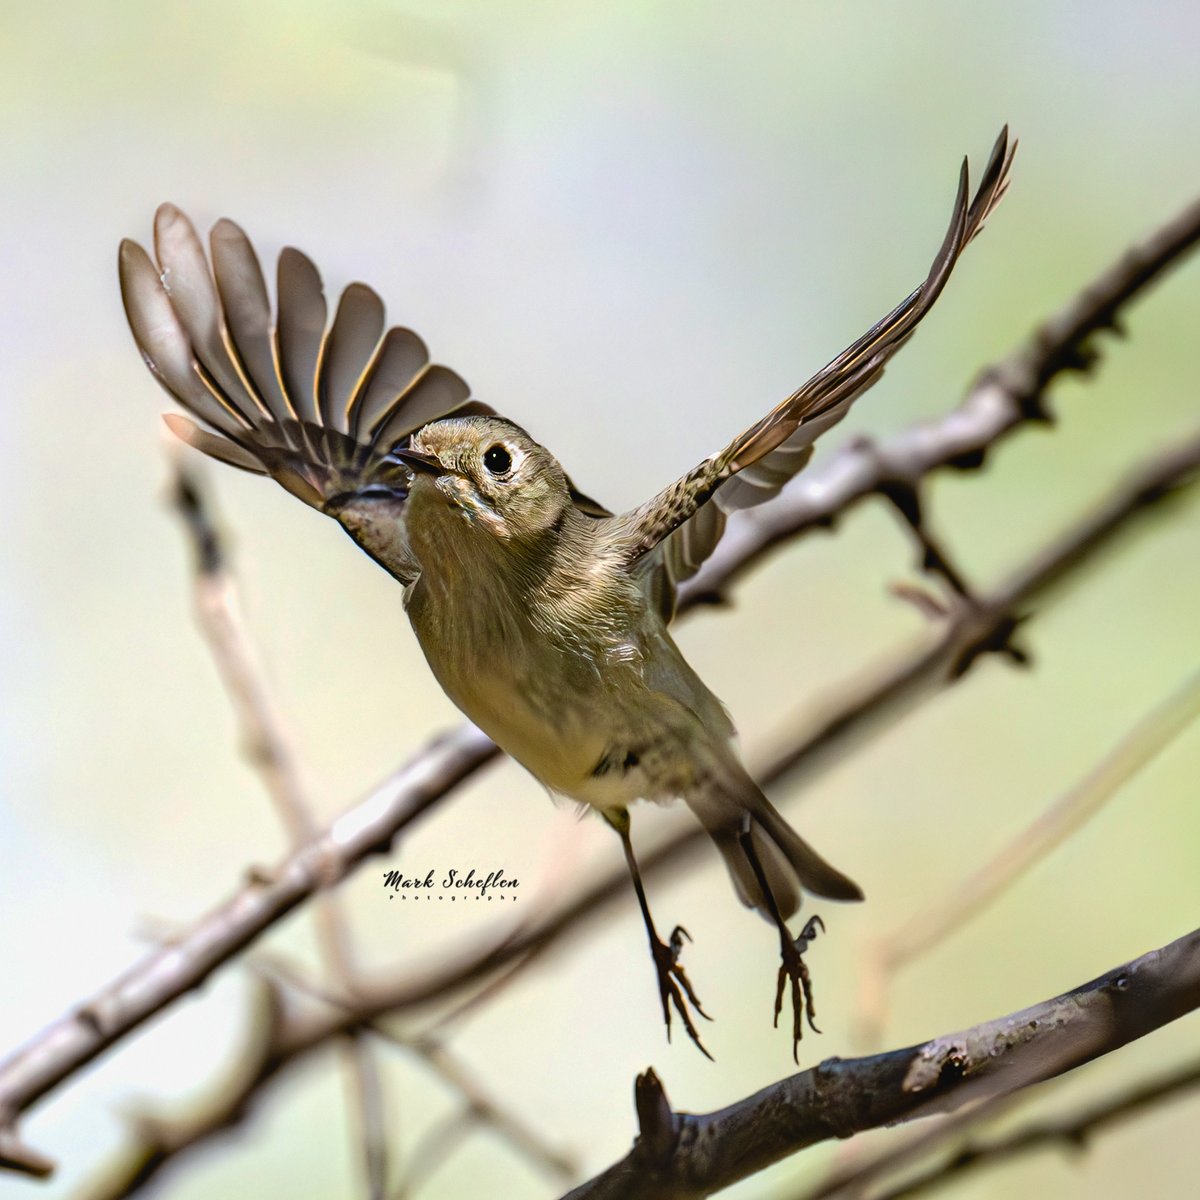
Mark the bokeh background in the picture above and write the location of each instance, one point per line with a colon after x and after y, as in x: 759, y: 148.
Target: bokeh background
x: 633, y: 226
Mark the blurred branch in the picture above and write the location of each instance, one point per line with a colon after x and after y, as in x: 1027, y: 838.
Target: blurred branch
x: 263, y: 734
x: 477, y: 1105
x: 887, y: 693
x: 682, y: 1156
x: 1071, y: 1132
x: 849, y: 1181
x: 480, y: 1107
x: 891, y: 691
x: 1004, y: 398
x: 271, y: 752
x: 1151, y: 735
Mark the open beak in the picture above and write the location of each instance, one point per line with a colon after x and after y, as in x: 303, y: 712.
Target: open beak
x: 418, y: 463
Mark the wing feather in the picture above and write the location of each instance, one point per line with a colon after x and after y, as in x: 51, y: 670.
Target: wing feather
x: 347, y: 352
x: 242, y: 292
x: 318, y: 412
x: 299, y: 331
x: 761, y: 460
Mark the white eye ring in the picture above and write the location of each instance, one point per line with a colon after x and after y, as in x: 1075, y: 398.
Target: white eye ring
x: 498, y: 460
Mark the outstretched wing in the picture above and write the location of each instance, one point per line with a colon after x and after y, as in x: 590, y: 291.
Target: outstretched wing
x: 318, y: 409
x: 756, y: 465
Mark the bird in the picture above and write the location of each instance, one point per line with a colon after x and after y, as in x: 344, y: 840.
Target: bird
x: 543, y: 616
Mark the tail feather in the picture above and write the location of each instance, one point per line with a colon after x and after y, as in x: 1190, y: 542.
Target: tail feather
x: 780, y: 875
x: 814, y: 873
x: 789, y: 863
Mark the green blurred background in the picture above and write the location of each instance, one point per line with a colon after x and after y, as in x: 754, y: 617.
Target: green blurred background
x: 633, y: 227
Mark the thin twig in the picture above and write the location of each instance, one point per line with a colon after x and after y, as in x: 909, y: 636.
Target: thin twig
x: 483, y: 1108
x: 1072, y: 1132
x: 273, y: 754
x: 850, y: 1181
x: 1149, y: 737
x: 450, y: 1069
x: 1006, y: 396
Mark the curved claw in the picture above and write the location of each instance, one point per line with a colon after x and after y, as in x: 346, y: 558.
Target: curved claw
x: 678, y: 936
x: 793, y: 968
x: 674, y: 987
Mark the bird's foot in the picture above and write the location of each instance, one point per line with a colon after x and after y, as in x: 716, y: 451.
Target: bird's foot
x: 793, y: 968
x: 674, y: 987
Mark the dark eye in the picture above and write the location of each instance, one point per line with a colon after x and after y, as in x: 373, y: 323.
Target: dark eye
x: 497, y: 460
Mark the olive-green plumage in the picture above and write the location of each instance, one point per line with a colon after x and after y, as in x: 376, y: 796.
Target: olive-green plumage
x: 543, y: 616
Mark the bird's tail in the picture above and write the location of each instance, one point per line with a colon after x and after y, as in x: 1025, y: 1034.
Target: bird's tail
x: 789, y: 863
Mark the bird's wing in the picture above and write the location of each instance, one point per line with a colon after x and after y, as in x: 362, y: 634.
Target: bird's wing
x: 761, y: 460
x: 317, y: 408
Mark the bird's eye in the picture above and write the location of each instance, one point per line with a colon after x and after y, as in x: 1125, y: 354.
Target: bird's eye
x: 497, y: 460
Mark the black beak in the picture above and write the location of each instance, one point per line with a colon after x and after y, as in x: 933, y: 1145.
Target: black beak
x: 418, y: 463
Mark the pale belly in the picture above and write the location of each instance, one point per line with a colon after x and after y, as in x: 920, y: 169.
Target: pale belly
x: 554, y: 734
x: 604, y: 721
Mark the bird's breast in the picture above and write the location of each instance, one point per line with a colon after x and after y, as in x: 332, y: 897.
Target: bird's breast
x: 547, y: 691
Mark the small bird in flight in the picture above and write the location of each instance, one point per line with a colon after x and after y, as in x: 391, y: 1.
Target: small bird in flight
x: 543, y: 615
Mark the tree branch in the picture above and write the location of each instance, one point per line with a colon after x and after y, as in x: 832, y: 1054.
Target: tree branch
x: 1149, y: 737
x: 887, y: 694
x: 1072, y: 1132
x: 842, y: 1097
x: 272, y: 753
x: 1005, y: 396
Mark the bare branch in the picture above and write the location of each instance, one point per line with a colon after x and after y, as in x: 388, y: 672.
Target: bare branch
x: 1072, y: 1132
x: 887, y: 694
x: 1151, y: 735
x: 842, y: 1097
x: 892, y: 691
x: 432, y: 1050
x: 1005, y: 396
x: 263, y: 734
x: 1003, y: 399
x: 172, y: 971
x: 273, y: 754
x: 480, y: 1107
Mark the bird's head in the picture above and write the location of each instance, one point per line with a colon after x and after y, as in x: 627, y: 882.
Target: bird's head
x: 491, y: 472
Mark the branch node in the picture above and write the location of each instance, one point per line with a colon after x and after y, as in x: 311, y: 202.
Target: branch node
x: 658, y: 1129
x: 1119, y: 982
x: 19, y: 1156
x: 188, y: 500
x: 258, y: 875
x: 968, y: 460
x: 902, y: 494
x: 997, y: 639
x: 923, y: 600
x: 89, y: 1015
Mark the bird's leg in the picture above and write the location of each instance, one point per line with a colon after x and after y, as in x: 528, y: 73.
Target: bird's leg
x: 791, y: 950
x: 674, y: 988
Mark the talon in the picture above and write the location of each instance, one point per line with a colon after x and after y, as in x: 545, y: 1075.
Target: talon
x: 678, y: 936
x: 794, y: 969
x: 674, y: 987
x: 791, y: 950
x: 808, y: 934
